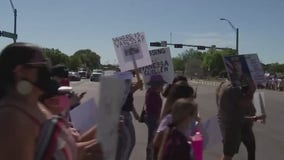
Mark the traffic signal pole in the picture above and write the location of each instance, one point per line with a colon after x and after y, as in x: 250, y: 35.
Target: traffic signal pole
x: 14, y: 35
x: 15, y: 26
x: 179, y: 45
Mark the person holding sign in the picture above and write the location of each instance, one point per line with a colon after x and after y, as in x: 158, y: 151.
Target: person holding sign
x: 236, y: 114
x: 127, y: 136
x: 153, y: 104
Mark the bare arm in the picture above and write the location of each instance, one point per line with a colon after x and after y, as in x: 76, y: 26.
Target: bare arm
x: 89, y: 134
x: 135, y: 114
x: 17, y: 136
x: 157, y: 142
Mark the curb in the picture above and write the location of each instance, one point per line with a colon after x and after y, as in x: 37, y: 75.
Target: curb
x: 203, y: 82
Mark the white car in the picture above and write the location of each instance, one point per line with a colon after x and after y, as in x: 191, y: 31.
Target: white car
x: 96, y: 76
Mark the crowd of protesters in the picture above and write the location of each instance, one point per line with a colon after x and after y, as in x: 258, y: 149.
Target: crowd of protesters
x: 35, y: 121
x: 274, y: 83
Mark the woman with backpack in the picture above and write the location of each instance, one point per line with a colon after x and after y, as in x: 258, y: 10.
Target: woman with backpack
x: 25, y: 76
x: 175, y: 143
x: 178, y: 90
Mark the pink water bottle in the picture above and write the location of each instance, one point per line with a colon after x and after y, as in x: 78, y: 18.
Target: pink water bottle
x: 197, y: 146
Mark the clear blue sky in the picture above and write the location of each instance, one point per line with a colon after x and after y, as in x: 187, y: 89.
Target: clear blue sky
x: 70, y: 25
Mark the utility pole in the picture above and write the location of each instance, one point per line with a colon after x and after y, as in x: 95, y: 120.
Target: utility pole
x: 15, y: 21
x: 171, y: 37
x: 237, y: 33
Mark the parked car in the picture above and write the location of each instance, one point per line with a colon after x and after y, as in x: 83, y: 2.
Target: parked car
x: 84, y: 72
x: 96, y: 76
x: 109, y: 72
x: 74, y: 76
x: 98, y: 70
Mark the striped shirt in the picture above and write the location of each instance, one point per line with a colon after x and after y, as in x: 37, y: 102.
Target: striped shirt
x: 55, y: 142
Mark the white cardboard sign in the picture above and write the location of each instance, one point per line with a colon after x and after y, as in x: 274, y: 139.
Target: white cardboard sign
x: 132, y: 51
x: 259, y: 103
x: 84, y: 116
x: 113, y: 92
x: 162, y: 65
x: 211, y: 132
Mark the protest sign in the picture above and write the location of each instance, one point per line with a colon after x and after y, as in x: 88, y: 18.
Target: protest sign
x: 113, y: 92
x: 255, y: 68
x: 259, y: 103
x: 162, y: 65
x: 123, y: 75
x: 242, y: 69
x: 132, y: 51
x: 211, y: 132
x: 84, y: 116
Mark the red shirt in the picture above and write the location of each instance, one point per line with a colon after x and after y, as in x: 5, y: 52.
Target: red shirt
x: 64, y: 82
x: 153, y: 103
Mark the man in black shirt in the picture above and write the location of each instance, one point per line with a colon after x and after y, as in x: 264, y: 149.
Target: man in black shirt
x: 127, y: 138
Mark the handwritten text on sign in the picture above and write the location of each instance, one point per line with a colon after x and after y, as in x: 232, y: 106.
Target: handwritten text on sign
x: 132, y: 51
x: 128, y: 40
x: 162, y: 65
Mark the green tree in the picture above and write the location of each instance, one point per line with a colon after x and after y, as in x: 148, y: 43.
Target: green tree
x: 183, y: 58
x: 191, y: 53
x: 213, y: 61
x: 274, y: 68
x: 87, y: 58
x: 74, y: 62
x: 56, y: 56
x: 178, y: 64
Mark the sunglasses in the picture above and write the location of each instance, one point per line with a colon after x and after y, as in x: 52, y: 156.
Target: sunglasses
x: 34, y: 66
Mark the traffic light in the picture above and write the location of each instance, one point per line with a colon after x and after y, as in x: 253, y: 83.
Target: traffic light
x: 155, y: 44
x: 201, y: 47
x: 178, y: 45
x: 164, y: 43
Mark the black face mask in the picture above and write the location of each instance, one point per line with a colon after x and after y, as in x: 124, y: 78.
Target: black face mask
x: 43, y: 79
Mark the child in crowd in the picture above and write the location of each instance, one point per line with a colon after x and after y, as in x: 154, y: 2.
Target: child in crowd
x: 175, y: 143
x: 179, y: 90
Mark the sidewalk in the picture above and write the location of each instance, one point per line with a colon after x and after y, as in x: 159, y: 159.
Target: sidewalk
x: 205, y: 82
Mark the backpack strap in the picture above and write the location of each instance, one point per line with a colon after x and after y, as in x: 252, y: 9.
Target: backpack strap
x: 47, y: 140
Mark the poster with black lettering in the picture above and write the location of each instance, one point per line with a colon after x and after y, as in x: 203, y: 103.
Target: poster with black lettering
x: 132, y: 51
x: 162, y: 65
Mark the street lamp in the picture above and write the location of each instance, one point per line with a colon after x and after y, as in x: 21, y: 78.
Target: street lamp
x: 15, y: 21
x: 237, y: 33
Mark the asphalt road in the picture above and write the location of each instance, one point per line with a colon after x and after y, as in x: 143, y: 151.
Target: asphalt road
x: 269, y: 136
